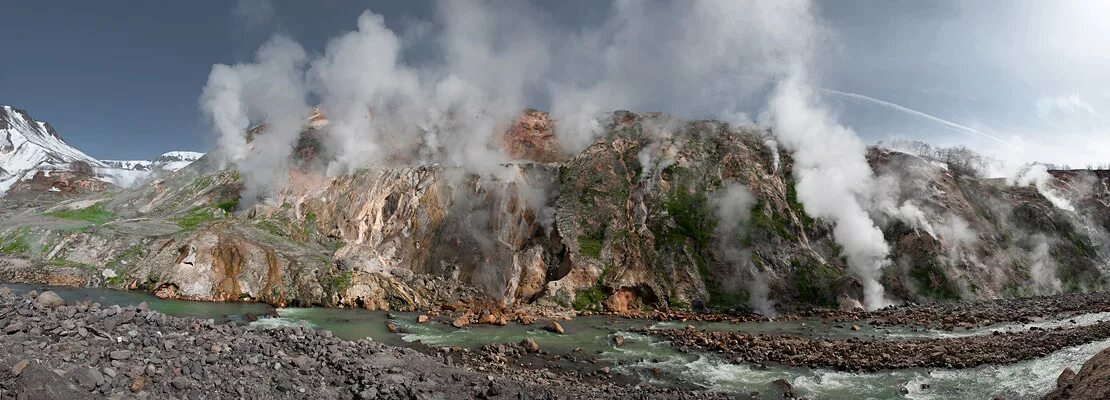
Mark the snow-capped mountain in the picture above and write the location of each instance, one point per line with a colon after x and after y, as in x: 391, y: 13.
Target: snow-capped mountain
x: 171, y: 161
x: 30, y: 148
x: 27, y: 145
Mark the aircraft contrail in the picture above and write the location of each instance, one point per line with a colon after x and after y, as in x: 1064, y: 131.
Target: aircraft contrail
x: 892, y: 106
x: 907, y: 110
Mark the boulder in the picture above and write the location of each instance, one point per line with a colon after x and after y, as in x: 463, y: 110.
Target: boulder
x: 461, y: 322
x: 1065, y: 376
x: 530, y: 345
x: 618, y: 340
x: 38, y: 382
x: 554, y: 327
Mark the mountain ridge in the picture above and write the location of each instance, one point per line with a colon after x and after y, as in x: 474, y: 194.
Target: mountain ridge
x: 31, y: 150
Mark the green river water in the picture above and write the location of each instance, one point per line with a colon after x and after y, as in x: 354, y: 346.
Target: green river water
x: 641, y: 354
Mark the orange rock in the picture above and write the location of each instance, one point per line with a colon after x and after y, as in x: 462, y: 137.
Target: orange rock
x: 461, y: 321
x: 532, y: 137
x: 137, y: 384
x: 623, y: 302
x: 422, y: 319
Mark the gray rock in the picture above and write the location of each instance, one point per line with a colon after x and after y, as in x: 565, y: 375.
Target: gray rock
x: 21, y: 365
x: 14, y: 327
x: 368, y: 393
x: 302, y: 362
x: 88, y: 378
x: 40, y: 383
x: 120, y: 354
x: 50, y: 299
x: 180, y: 382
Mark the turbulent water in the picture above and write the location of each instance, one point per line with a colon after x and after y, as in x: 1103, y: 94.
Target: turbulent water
x: 655, y: 361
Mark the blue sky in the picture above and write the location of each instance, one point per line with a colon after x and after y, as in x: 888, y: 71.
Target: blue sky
x: 121, y: 79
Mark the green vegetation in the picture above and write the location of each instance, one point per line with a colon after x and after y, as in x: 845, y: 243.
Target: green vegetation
x: 130, y: 253
x: 792, y: 199
x: 309, y: 226
x: 816, y: 283
x: 772, y: 223
x: 933, y: 281
x: 590, y: 246
x: 94, y: 213
x: 590, y: 299
x: 342, y: 281
x: 676, y: 304
x: 228, y: 205
x: 202, y: 183
x: 196, y: 217
x: 15, y: 242
x: 690, y: 211
x: 271, y: 227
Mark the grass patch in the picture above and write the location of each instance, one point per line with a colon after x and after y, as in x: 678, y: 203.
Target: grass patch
x: 690, y: 212
x: 195, y: 218
x: 228, y: 205
x: 342, y: 281
x: 772, y: 223
x: 131, y: 252
x: 272, y: 228
x: 590, y: 299
x: 15, y: 242
x: 816, y: 283
x: 589, y: 246
x: 933, y: 282
x: 94, y: 213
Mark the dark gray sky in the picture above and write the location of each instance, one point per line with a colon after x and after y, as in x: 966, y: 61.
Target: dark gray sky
x: 121, y: 79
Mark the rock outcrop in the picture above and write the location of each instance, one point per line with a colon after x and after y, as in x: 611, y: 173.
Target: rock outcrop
x: 1091, y: 382
x: 627, y: 224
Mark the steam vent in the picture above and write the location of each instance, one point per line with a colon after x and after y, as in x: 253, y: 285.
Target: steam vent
x: 605, y: 200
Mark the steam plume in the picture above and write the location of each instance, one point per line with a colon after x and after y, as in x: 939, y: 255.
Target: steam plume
x: 733, y: 203
x: 833, y: 180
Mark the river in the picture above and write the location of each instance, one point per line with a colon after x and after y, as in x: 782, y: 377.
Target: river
x: 653, y: 360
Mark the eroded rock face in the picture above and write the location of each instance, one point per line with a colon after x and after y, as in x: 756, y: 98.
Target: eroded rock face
x: 1092, y: 381
x: 626, y: 224
x: 533, y: 138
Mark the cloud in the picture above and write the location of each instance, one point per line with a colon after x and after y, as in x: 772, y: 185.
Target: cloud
x: 255, y: 15
x: 1064, y: 106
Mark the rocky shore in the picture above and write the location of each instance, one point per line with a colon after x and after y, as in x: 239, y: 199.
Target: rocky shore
x: 953, y: 315
x: 1092, y: 381
x: 872, y: 355
x: 51, y: 350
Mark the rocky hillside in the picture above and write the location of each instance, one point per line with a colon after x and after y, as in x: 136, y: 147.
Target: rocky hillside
x: 656, y: 213
x: 35, y: 158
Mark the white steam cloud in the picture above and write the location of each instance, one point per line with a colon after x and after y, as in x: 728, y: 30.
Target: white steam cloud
x: 272, y: 90
x: 496, y: 58
x: 1037, y: 175
x: 733, y: 205
x: 834, y: 181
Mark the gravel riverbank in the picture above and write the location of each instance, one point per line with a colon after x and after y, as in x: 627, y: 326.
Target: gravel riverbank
x: 51, y: 350
x: 873, y: 355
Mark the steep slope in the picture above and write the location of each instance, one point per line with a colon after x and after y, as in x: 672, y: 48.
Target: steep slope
x: 28, y: 145
x: 634, y: 221
x: 34, y: 158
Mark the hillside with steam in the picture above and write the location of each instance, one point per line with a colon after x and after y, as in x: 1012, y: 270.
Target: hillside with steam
x: 656, y: 213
